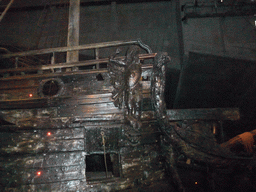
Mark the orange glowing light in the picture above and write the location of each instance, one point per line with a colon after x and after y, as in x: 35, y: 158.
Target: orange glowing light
x: 30, y: 95
x: 39, y: 173
x: 49, y: 133
x: 196, y: 183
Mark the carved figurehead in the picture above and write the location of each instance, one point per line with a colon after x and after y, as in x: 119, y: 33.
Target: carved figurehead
x: 158, y: 85
x: 125, y: 78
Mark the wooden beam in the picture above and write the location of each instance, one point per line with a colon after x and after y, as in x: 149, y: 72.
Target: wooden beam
x: 73, y: 30
x: 77, y: 64
x: 78, y: 47
x: 5, y: 10
x: 204, y: 114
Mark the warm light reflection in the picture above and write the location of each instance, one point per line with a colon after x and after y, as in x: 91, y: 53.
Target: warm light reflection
x: 49, y: 133
x: 196, y: 183
x: 30, y: 95
x: 39, y: 173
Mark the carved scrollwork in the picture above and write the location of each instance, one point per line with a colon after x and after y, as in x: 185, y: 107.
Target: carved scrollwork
x: 158, y: 84
x: 125, y: 78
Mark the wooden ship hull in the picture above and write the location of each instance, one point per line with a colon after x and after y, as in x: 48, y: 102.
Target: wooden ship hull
x: 64, y: 125
x: 101, y: 124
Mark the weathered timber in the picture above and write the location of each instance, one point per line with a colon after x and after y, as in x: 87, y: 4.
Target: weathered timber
x: 18, y: 170
x: 47, y: 175
x: 101, y: 129
x: 204, y: 114
x: 143, y: 162
x: 95, y: 144
x: 42, y: 141
x: 54, y: 174
x: 35, y: 146
x: 79, y: 47
x: 71, y: 84
x: 45, y: 159
x: 53, y: 67
x: 6, y: 9
x: 73, y: 30
x: 72, y: 185
x: 102, y: 108
x: 203, y: 148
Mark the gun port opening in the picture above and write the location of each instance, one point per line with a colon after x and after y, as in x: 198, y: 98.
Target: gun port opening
x: 99, y: 167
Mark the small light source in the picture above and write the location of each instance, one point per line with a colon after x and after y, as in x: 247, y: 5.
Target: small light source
x: 38, y: 173
x: 196, y: 183
x: 49, y: 133
x: 30, y: 95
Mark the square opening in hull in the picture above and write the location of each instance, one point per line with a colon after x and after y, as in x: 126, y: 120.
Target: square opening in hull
x: 100, y: 166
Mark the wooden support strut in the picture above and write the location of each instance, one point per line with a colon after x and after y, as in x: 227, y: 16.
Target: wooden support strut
x: 81, y: 63
x: 78, y: 47
x: 204, y: 114
x: 73, y: 30
x: 6, y: 9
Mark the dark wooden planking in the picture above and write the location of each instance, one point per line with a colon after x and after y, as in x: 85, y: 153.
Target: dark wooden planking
x: 14, y: 116
x: 50, y: 74
x: 142, y: 161
x: 46, y: 160
x: 53, y: 174
x: 81, y: 110
x: 72, y: 185
x: 56, y: 101
x: 16, y: 84
x: 61, y: 122
x: 37, y: 145
x: 62, y: 117
x: 80, y: 47
x: 88, y: 119
x: 74, y: 85
x: 204, y: 114
x: 94, y: 142
x: 64, y: 133
x: 65, y: 66
x: 28, y: 103
x: 150, y: 133
x: 31, y: 78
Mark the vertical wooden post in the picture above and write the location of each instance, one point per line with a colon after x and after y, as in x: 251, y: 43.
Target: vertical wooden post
x: 179, y: 31
x: 97, y: 56
x: 73, y: 30
x: 5, y: 10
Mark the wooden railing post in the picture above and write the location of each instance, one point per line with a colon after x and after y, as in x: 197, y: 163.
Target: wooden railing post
x: 73, y: 30
x: 97, y: 53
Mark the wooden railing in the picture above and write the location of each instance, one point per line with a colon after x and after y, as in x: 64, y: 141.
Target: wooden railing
x: 58, y: 66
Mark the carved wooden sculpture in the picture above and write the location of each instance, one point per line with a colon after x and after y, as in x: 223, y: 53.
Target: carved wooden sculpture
x: 125, y: 78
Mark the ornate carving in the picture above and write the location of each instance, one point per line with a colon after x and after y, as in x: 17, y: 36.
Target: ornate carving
x: 157, y: 92
x: 125, y: 78
x: 158, y: 86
